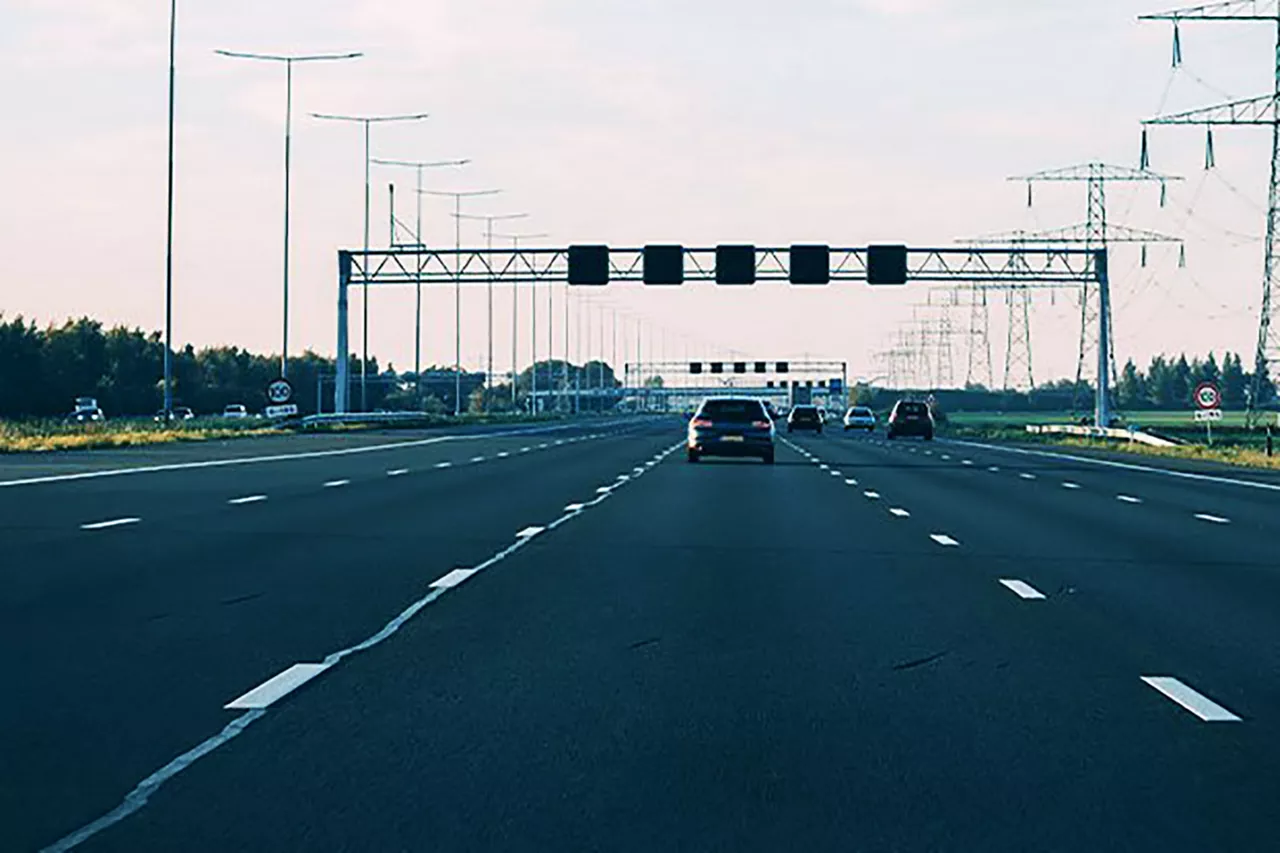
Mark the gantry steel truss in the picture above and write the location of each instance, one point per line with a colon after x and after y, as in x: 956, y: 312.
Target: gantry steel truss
x: 975, y: 265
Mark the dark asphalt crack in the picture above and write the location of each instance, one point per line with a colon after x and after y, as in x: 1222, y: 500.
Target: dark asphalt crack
x: 912, y: 664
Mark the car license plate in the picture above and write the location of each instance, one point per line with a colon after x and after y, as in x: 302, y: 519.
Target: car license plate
x: 733, y: 438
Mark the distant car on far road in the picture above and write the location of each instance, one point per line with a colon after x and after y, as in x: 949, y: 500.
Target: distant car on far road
x: 910, y: 417
x: 235, y: 410
x: 804, y: 417
x: 860, y: 417
x: 731, y: 426
x: 86, y: 416
x: 179, y: 413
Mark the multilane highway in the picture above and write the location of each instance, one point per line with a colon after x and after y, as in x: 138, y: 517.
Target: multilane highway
x: 568, y: 638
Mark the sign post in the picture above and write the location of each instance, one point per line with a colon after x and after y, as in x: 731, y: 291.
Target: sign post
x: 279, y: 395
x: 1208, y: 400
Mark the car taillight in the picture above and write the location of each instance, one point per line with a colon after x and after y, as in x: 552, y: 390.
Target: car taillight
x: 761, y: 424
x: 700, y: 422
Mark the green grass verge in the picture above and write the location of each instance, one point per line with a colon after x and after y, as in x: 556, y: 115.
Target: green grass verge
x: 50, y: 435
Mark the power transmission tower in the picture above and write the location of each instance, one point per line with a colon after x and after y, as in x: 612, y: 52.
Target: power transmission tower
x: 1017, y: 354
x: 1095, y: 233
x: 1260, y: 111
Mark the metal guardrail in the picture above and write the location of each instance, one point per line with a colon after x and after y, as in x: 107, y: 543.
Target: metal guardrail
x: 1134, y: 435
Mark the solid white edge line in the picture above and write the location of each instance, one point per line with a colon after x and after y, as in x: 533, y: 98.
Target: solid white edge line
x: 452, y: 579
x: 115, y: 522
x: 277, y: 687
x: 247, y: 499
x: 1215, y: 519
x: 943, y: 539
x: 574, y: 508
x: 1126, y: 466
x: 1023, y: 589
x: 257, y: 460
x: 1200, y: 705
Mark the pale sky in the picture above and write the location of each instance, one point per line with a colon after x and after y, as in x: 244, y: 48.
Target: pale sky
x: 690, y: 121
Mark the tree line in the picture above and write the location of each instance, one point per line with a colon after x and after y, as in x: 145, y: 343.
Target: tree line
x: 43, y: 370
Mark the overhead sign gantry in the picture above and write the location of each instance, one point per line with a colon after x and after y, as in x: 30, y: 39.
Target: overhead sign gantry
x: 595, y: 265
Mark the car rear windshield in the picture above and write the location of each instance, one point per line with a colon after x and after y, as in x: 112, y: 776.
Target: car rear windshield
x: 859, y: 411
x: 912, y: 408
x: 733, y: 410
x: 805, y: 412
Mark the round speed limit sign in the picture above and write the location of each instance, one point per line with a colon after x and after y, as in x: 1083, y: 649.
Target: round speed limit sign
x: 279, y: 391
x: 1207, y: 396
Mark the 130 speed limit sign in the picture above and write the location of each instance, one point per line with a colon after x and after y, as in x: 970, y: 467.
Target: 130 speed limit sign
x: 1207, y: 396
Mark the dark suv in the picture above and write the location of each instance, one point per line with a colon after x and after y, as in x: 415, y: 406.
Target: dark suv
x: 730, y: 426
x: 804, y: 417
x: 910, y: 418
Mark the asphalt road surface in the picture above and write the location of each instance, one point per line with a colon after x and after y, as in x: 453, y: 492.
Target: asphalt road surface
x: 572, y: 639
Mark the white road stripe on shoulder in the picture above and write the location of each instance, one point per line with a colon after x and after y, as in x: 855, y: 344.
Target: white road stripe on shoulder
x: 943, y: 539
x: 247, y: 499
x: 115, y: 522
x: 1203, y: 707
x: 1024, y: 590
x: 452, y: 579
x: 1215, y: 519
x: 277, y: 686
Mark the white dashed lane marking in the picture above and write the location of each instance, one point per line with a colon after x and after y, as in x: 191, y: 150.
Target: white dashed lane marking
x: 1204, y: 708
x: 1213, y: 519
x: 503, y: 455
x: 277, y: 686
x: 899, y: 512
x: 247, y: 499
x: 532, y: 530
x: 944, y: 540
x: 397, y: 472
x: 335, y: 484
x: 452, y: 579
x: 1027, y: 476
x: 444, y: 464
x: 1070, y: 485
x: 573, y: 508
x: 1128, y: 499
x: 875, y: 496
x: 1024, y: 590
x: 477, y: 458
x: 115, y: 522
x: 994, y: 469
x: 851, y: 482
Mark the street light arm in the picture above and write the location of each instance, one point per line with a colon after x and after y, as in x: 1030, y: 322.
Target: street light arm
x: 418, y: 164
x: 370, y: 119
x: 466, y: 194
x: 272, y: 57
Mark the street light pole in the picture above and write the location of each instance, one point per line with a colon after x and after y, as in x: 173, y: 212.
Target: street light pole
x: 288, y: 60
x: 457, y: 285
x: 418, y: 166
x: 533, y: 327
x: 168, y: 240
x: 367, y: 121
x: 488, y: 236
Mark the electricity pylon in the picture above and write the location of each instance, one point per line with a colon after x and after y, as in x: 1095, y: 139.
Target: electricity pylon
x: 1260, y: 111
x: 1095, y: 233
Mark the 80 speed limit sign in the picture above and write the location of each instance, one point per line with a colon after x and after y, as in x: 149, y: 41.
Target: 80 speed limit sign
x: 1207, y: 396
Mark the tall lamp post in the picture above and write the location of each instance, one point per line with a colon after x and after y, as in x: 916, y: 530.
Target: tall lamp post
x: 168, y: 239
x: 367, y: 121
x: 288, y: 60
x: 488, y: 237
x: 418, y: 166
x: 533, y: 327
x: 457, y: 284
